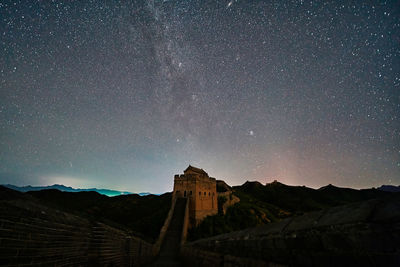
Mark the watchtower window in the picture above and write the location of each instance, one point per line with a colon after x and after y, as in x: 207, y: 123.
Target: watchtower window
x: 184, y: 193
x: 190, y: 193
x: 205, y: 193
x: 199, y: 193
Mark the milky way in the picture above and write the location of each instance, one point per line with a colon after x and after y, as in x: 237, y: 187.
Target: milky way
x: 125, y: 95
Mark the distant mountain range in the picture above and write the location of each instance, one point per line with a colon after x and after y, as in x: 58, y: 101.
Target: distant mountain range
x: 112, y: 193
x: 272, y: 202
x: 259, y: 204
x: 106, y: 192
x: 142, y: 215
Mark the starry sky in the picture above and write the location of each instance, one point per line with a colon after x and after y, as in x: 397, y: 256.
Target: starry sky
x: 123, y: 95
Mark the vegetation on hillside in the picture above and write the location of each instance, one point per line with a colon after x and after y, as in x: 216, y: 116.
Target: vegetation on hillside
x: 261, y: 204
x: 143, y: 215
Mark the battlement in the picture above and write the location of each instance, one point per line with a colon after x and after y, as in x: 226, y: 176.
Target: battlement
x: 193, y: 177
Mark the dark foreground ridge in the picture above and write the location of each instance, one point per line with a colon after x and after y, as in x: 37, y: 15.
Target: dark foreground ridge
x: 32, y: 234
x: 360, y: 234
x: 363, y: 233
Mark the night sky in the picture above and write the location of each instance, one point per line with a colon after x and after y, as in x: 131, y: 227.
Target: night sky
x: 125, y: 95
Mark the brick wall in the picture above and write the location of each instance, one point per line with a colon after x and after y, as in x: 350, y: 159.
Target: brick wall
x: 32, y: 234
x: 163, y: 231
x: 201, y: 191
x: 231, y: 200
x: 360, y: 234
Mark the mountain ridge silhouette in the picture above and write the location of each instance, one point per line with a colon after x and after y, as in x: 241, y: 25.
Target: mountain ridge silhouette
x: 60, y: 187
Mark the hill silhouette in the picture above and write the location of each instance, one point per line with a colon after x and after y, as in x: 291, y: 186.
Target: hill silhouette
x: 261, y: 204
x: 299, y: 199
x: 142, y: 215
x: 389, y: 188
x: 107, y: 192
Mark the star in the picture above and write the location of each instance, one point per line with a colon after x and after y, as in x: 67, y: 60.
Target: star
x: 102, y: 92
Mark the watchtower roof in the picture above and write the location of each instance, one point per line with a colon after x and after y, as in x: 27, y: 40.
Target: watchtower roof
x: 196, y: 170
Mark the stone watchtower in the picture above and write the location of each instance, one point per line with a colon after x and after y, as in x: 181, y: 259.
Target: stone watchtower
x: 201, y: 191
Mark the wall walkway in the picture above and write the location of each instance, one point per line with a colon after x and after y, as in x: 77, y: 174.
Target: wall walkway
x: 360, y: 234
x: 34, y: 235
x: 170, y: 248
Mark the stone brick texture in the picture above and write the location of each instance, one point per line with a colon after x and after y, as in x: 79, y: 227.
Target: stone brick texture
x: 360, y: 234
x: 200, y: 190
x: 34, y: 235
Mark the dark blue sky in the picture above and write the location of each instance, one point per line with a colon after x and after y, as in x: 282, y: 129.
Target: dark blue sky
x: 125, y: 95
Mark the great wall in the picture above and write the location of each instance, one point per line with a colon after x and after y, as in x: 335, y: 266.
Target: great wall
x: 364, y: 233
